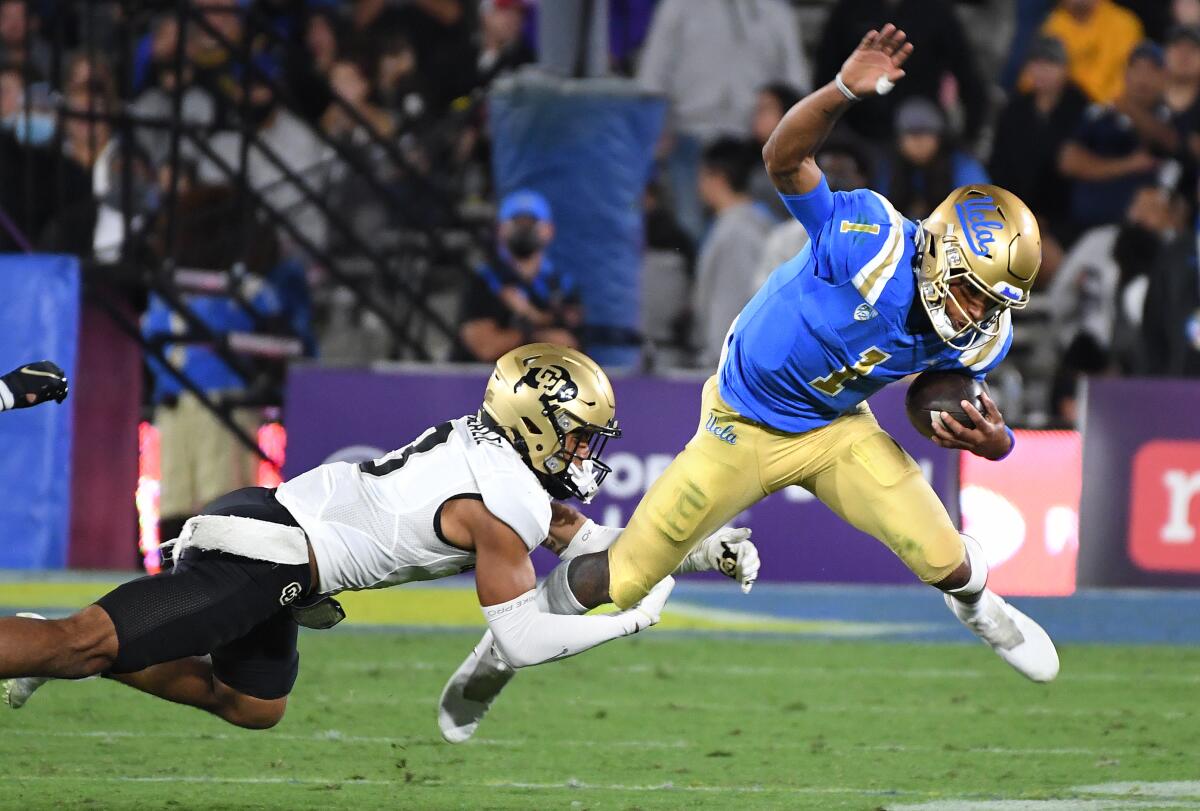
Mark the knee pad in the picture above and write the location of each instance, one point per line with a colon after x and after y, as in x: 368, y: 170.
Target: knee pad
x: 979, y: 568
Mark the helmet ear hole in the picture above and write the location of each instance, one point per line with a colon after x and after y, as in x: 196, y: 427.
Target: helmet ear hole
x: 531, y: 427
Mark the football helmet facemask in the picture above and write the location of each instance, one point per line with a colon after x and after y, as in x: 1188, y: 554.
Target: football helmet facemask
x: 985, y: 236
x: 551, y: 402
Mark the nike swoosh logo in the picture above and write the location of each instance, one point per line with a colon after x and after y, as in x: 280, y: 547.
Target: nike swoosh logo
x: 28, y: 371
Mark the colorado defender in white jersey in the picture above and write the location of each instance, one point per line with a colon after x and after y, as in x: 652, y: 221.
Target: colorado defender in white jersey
x: 219, y: 631
x: 379, y: 523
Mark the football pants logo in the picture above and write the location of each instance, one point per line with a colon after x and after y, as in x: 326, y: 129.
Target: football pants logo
x: 290, y: 592
x: 725, y: 433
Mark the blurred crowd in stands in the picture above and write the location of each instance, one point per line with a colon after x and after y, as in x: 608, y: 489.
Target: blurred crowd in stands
x: 359, y: 113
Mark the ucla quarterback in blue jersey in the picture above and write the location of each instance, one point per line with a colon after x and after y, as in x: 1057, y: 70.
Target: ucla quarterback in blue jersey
x: 872, y: 298
x: 842, y: 319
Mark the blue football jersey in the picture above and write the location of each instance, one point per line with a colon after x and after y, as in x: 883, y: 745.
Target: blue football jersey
x: 831, y: 325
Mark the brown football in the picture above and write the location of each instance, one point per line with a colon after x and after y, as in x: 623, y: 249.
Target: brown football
x: 932, y: 392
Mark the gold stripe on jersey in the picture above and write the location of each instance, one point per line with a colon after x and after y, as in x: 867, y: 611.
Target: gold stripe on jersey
x: 873, y: 276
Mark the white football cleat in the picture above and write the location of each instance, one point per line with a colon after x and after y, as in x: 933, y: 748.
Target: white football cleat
x: 15, y: 692
x: 471, y: 691
x: 1015, y: 637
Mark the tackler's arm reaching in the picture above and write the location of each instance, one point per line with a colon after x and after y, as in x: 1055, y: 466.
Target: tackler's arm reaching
x: 872, y: 69
x: 524, y: 633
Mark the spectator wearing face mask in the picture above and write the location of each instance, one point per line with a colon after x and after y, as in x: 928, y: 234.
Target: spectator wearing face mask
x: 523, y: 298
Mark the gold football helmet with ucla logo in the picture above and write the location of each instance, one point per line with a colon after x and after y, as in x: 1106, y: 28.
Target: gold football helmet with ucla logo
x: 540, y: 393
x: 987, y: 237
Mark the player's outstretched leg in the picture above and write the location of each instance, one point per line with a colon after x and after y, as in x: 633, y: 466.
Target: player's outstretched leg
x: 1016, y: 638
x: 904, y: 512
x: 15, y: 692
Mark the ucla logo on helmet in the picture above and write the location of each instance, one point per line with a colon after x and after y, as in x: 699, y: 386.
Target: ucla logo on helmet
x: 974, y: 216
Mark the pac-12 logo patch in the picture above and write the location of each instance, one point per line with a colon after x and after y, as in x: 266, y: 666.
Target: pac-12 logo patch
x: 290, y: 592
x: 864, y: 312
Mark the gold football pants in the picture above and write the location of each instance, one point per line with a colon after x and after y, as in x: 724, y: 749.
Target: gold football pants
x: 851, y: 465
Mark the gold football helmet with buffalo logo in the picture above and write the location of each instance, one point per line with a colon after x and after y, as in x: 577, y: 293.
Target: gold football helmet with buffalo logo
x: 540, y: 393
x: 986, y: 236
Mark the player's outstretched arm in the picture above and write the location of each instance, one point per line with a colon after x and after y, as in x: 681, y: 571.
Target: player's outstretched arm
x: 31, y: 384
x: 526, y: 635
x: 872, y: 69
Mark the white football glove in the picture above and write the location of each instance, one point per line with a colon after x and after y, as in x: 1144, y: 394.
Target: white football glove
x: 650, y: 607
x: 728, y: 551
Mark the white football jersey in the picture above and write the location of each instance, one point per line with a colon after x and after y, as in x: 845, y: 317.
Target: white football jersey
x: 378, y: 523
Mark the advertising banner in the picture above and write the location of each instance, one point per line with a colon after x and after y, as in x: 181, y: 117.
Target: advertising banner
x: 39, y: 308
x: 1141, y: 493
x: 1025, y: 512
x: 357, y: 415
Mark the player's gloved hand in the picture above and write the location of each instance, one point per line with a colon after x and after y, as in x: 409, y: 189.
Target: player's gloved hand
x: 728, y: 551
x: 35, y: 383
x: 648, y: 611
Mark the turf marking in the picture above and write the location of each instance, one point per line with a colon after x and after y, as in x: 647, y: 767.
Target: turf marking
x: 1132, y: 795
x: 1043, y: 805
x: 831, y: 673
x: 335, y: 736
x: 1170, y: 788
x: 571, y: 784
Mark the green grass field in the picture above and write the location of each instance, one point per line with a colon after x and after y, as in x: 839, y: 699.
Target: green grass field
x: 661, y: 721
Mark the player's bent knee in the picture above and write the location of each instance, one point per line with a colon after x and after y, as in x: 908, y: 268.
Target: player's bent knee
x: 635, y: 568
x: 249, y: 712
x: 261, y: 717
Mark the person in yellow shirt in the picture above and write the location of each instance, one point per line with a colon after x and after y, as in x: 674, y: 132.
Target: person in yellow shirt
x: 1099, y: 36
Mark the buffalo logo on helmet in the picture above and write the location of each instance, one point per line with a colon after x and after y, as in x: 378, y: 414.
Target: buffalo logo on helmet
x: 553, y: 382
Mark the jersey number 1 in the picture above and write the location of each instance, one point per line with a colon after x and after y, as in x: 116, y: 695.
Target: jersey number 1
x: 833, y: 383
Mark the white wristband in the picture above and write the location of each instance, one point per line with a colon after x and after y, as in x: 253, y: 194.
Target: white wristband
x: 845, y: 91
x: 591, y: 537
x: 7, y: 400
